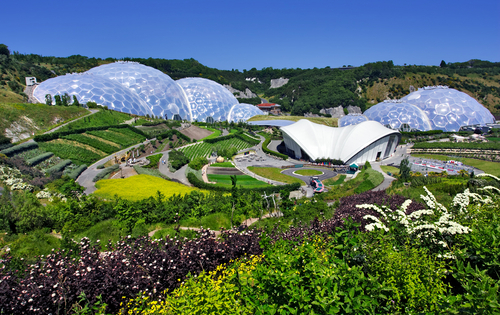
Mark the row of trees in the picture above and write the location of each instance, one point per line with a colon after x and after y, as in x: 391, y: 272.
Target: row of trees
x: 62, y: 100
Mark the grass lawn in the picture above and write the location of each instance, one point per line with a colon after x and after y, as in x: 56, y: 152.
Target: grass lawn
x: 243, y: 181
x: 308, y: 172
x: 493, y: 139
x: 390, y: 169
x: 215, y: 133
x: 332, y: 122
x: 492, y: 168
x: 337, y: 180
x: 139, y: 187
x: 223, y: 164
x: 275, y: 174
x: 101, y: 118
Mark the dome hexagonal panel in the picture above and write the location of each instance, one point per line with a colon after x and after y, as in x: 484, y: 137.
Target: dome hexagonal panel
x: 207, y: 98
x: 162, y: 94
x: 93, y: 88
x: 449, y: 109
x: 352, y: 119
x: 396, y: 113
x: 242, y: 112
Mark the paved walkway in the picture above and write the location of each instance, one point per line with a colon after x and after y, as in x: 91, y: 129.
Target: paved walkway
x: 307, y: 179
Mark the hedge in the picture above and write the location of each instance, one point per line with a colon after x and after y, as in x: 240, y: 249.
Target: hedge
x: 461, y: 145
x: 265, y: 149
x: 39, y: 158
x: 58, y: 167
x: 270, y: 189
x: 77, y: 171
x: 106, y: 172
x: 19, y: 148
x: 171, y: 132
x: 56, y: 135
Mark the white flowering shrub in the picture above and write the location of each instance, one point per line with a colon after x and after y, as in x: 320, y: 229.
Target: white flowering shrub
x: 12, y: 177
x: 46, y: 194
x: 434, y: 225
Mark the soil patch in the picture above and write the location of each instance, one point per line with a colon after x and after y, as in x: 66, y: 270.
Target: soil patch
x: 195, y: 132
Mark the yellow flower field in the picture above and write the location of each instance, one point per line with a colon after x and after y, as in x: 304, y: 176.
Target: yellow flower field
x: 139, y: 187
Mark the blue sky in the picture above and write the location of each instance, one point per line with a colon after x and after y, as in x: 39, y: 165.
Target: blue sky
x: 247, y: 34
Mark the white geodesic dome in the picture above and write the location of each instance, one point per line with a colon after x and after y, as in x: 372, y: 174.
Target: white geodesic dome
x: 207, y: 98
x: 352, y: 119
x: 163, y: 95
x: 242, y: 112
x: 449, y: 109
x: 396, y: 113
x: 93, y: 88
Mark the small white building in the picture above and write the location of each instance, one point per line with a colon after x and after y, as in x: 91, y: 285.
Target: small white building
x: 366, y: 141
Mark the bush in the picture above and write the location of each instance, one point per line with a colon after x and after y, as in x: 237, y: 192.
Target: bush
x: 153, y: 160
x: 39, y: 158
x: 4, y: 140
x: 177, y: 159
x: 77, y: 171
x: 198, y: 163
x: 59, y: 167
x: 106, y: 172
x: 149, y: 171
x: 100, y: 166
x: 19, y: 148
x: 265, y: 149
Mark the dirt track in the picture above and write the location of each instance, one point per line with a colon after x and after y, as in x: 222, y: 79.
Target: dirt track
x: 195, y: 132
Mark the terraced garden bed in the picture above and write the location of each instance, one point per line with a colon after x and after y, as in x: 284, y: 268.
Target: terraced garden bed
x: 205, y: 149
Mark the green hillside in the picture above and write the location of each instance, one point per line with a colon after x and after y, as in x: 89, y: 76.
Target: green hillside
x: 20, y: 121
x: 308, y: 90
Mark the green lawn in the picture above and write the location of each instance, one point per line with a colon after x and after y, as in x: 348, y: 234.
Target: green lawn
x: 308, y: 172
x: 243, y: 181
x: 223, y: 164
x: 337, y: 180
x: 101, y: 118
x: 492, y: 168
x: 390, y: 169
x: 215, y: 133
x: 275, y: 174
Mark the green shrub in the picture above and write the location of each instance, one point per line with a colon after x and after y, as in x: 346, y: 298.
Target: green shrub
x: 100, y: 166
x: 39, y: 158
x: 104, y: 147
x: 77, y: 171
x: 149, y: 171
x: 59, y: 167
x: 153, y: 160
x: 177, y: 159
x: 19, y: 148
x: 197, y: 163
x: 108, y: 170
x: 415, y: 279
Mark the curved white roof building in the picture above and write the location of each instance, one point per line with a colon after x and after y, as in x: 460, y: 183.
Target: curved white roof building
x: 366, y: 141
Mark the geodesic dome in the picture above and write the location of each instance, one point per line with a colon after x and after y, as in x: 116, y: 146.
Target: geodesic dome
x: 242, y: 112
x: 162, y: 94
x: 449, y: 109
x: 207, y: 98
x: 396, y: 113
x: 352, y: 119
x: 93, y: 88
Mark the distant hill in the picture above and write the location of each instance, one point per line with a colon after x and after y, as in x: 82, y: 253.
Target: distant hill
x: 307, y: 90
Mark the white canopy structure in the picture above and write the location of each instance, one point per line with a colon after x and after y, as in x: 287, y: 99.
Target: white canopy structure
x: 366, y: 141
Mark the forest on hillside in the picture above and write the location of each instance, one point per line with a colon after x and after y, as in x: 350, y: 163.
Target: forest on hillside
x: 308, y: 90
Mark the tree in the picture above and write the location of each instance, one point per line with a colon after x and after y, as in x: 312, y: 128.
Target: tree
x: 75, y: 101
x: 48, y: 99
x: 234, y: 195
x: 4, y: 50
x: 404, y: 170
x: 442, y: 64
x: 65, y: 99
x: 58, y: 100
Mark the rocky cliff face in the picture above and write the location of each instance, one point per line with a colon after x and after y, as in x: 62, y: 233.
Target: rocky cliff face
x: 276, y: 83
x: 336, y: 112
x: 240, y: 94
x: 354, y: 109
